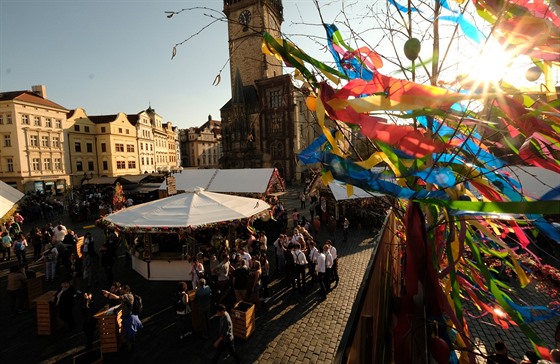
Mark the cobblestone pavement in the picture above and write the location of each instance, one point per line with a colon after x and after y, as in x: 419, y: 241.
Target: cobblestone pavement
x: 291, y: 328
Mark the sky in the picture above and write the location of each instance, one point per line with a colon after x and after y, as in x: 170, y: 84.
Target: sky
x: 110, y: 56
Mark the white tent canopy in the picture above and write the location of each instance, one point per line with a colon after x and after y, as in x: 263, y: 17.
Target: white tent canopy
x: 340, y: 192
x: 248, y: 180
x: 9, y: 196
x: 194, y: 208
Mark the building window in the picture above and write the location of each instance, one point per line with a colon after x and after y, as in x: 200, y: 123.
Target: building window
x: 103, y: 148
x: 276, y: 124
x: 143, y: 161
x: 1, y: 119
x: 130, y: 148
x: 86, y: 129
x: 89, y: 147
x: 120, y: 130
x: 121, y: 165
x: 119, y: 147
x: 48, y: 122
x: 57, y: 123
x: 8, y: 118
x: 76, y: 128
x: 275, y: 99
x: 58, y: 164
x: 25, y: 119
x: 142, y: 147
x: 45, y: 141
x: 56, y: 142
x: 78, y: 147
x: 276, y: 150
x: 37, y: 121
x: 36, y: 164
x: 127, y: 131
x: 10, y: 164
x: 47, y: 164
x: 7, y: 140
x: 34, y: 141
x: 105, y: 165
x: 103, y: 129
x: 131, y: 164
x: 151, y: 147
x: 79, y: 166
x: 90, y: 166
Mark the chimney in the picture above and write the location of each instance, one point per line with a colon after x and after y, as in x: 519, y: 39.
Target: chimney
x: 40, y: 90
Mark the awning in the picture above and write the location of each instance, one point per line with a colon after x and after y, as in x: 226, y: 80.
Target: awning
x: 101, y: 181
x: 9, y: 196
x: 192, y: 208
x: 145, y: 188
x: 247, y: 180
x: 340, y: 192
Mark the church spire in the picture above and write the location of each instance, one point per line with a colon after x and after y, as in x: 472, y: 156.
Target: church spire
x: 238, y: 97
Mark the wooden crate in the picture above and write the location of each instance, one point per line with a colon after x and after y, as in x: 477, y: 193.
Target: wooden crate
x: 47, y: 320
x: 34, y: 288
x: 109, y: 323
x: 243, y: 319
x: 197, y: 323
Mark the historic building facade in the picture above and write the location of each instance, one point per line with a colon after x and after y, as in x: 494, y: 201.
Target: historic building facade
x: 265, y: 123
x: 32, y: 152
x: 201, y: 147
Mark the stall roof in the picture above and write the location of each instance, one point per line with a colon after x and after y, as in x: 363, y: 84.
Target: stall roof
x: 101, y: 181
x: 248, y: 180
x: 9, y: 196
x: 192, y: 208
x: 340, y: 192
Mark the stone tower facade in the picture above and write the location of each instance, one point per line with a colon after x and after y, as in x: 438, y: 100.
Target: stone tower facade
x: 265, y: 123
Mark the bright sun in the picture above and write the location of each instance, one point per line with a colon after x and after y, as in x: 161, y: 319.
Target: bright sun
x: 492, y: 64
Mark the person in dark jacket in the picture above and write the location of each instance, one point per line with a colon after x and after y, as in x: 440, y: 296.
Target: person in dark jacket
x: 64, y: 301
x: 225, y: 338
x: 88, y: 311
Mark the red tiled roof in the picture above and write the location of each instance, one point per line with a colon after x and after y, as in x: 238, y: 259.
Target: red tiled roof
x: 29, y: 97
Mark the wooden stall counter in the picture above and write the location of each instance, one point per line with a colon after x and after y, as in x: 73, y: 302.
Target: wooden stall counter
x: 109, y: 322
x: 47, y: 319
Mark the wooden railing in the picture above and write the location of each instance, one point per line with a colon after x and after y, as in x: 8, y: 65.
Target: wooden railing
x: 368, y: 336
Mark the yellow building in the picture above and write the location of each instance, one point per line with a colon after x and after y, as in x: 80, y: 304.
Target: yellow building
x: 117, y: 151
x: 173, y: 154
x: 81, y: 134
x: 145, y: 135
x: 32, y: 141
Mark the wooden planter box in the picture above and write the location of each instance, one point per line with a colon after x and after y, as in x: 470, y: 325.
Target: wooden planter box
x: 243, y: 318
x: 47, y: 318
x: 109, y: 323
x: 34, y: 288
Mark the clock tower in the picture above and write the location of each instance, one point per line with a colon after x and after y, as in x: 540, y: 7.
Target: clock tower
x: 247, y: 21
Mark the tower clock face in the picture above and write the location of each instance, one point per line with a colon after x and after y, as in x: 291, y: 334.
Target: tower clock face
x: 245, y: 17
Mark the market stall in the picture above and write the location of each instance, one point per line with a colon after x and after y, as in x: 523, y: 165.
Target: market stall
x: 159, y: 233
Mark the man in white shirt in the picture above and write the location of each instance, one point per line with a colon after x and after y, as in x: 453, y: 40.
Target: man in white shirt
x: 332, y: 250
x: 322, y: 275
x: 300, y: 262
x: 246, y: 257
x: 58, y: 235
x: 328, y: 267
x: 313, y: 255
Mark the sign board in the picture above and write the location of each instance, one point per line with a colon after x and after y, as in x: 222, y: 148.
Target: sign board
x: 171, y: 185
